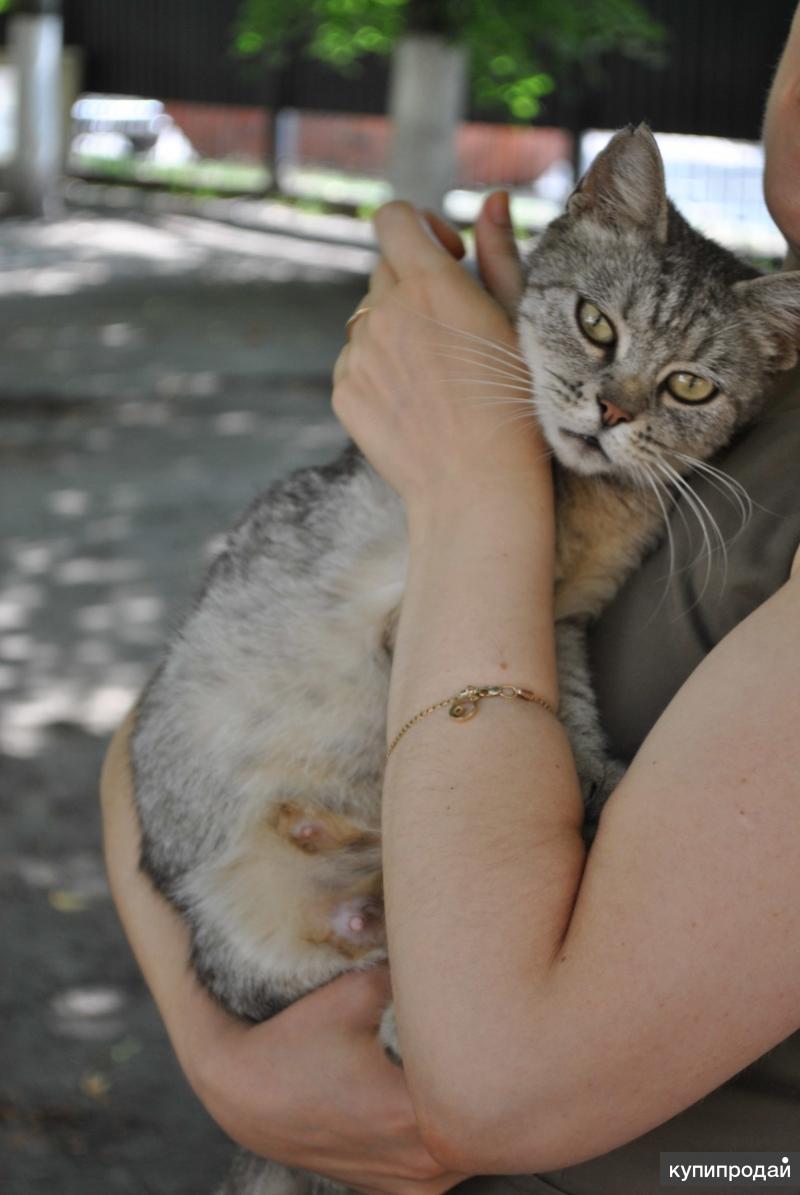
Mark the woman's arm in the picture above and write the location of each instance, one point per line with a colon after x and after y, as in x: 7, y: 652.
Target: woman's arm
x: 548, y: 1016
x: 781, y: 138
x: 549, y: 1012
x: 312, y: 1087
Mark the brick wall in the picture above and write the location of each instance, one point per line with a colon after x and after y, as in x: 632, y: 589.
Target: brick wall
x: 223, y: 130
x: 488, y: 154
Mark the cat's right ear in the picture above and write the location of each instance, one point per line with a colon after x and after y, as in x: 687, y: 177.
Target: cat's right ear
x: 624, y: 186
x: 773, y: 307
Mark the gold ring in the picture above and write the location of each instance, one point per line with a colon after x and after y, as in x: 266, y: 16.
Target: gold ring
x: 354, y: 318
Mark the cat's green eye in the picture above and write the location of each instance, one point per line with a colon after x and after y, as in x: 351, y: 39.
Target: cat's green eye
x: 594, y: 325
x: 688, y: 387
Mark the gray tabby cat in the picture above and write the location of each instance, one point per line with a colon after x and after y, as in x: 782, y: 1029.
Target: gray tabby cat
x: 259, y: 745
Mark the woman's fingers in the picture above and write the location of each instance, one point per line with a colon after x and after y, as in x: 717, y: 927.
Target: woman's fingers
x: 384, y: 277
x: 381, y: 280
x: 407, y: 242
x: 340, y: 365
x: 359, y: 998
x: 498, y: 257
x: 448, y: 236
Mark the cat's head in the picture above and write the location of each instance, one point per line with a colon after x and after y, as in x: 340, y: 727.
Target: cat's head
x: 644, y: 338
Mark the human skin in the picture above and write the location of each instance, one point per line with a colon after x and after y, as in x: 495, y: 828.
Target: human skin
x: 781, y: 136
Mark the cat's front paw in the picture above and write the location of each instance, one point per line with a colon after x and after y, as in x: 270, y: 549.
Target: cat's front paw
x: 388, y: 1035
x: 599, y: 788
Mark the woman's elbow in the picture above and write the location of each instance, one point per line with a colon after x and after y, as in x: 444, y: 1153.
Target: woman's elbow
x: 478, y: 1132
x: 512, y: 1132
x: 461, y: 1146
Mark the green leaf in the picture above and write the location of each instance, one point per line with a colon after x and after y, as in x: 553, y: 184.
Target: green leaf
x: 247, y: 42
x: 517, y: 49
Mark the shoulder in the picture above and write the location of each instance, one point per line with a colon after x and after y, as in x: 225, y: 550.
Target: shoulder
x: 795, y: 569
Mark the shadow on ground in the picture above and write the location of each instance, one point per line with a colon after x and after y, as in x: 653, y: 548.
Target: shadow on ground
x: 155, y: 375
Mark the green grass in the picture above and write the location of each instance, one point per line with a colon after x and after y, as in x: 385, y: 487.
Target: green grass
x: 210, y: 176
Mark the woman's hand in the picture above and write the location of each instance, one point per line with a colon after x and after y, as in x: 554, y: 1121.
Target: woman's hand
x: 313, y: 1088
x: 498, y: 256
x: 432, y: 386
x: 310, y: 1088
x: 782, y: 143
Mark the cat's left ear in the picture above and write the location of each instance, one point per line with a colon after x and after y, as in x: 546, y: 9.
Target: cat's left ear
x: 773, y: 304
x: 625, y: 185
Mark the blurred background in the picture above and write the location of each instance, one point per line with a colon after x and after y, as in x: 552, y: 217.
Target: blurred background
x: 185, y: 192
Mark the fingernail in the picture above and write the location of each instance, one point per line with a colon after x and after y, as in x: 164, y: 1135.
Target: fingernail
x: 500, y: 210
x: 427, y: 224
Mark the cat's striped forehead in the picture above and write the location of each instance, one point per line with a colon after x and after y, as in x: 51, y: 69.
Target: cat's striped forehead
x: 674, y: 324
x: 672, y: 300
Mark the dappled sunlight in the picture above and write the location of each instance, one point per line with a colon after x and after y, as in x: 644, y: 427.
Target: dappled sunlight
x: 273, y: 255
x: 87, y: 571
x: 153, y: 379
x: 103, y: 550
x: 235, y: 423
x: 57, y: 280
x: 93, y: 1013
x: 120, y: 335
x: 80, y: 873
x: 83, y: 253
x: 164, y: 307
x: 189, y: 385
x: 17, y: 647
x: 97, y: 710
x: 12, y: 615
x: 88, y: 237
x: 68, y: 502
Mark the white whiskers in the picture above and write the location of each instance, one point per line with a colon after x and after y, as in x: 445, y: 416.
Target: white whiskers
x: 497, y: 345
x: 713, y: 539
x: 724, y: 484
x: 656, y: 485
x: 498, y: 365
x: 500, y: 385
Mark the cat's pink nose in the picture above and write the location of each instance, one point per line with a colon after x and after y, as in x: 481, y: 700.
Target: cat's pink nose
x: 611, y: 414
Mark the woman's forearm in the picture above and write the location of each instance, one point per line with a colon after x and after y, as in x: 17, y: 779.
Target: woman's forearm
x: 158, y: 936
x: 482, y: 845
x: 549, y: 1011
x: 295, y: 1088
x: 781, y: 137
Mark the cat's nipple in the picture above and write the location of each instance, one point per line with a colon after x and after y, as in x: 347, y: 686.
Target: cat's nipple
x: 358, y: 920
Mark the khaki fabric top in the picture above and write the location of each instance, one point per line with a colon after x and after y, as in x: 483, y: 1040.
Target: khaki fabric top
x: 642, y: 649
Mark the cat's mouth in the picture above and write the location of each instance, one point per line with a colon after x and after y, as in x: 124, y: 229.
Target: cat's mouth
x: 591, y: 443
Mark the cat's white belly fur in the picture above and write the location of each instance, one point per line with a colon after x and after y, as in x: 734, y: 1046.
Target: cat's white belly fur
x: 277, y: 914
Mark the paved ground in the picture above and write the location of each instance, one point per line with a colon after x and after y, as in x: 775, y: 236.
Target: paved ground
x: 156, y: 372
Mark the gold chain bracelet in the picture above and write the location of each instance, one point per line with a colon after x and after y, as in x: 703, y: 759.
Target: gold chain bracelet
x: 464, y: 705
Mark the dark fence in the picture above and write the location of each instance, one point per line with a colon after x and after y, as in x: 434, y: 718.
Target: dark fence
x: 721, y: 54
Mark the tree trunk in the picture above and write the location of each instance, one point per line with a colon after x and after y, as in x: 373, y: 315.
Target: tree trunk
x: 35, y: 37
x: 426, y: 104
